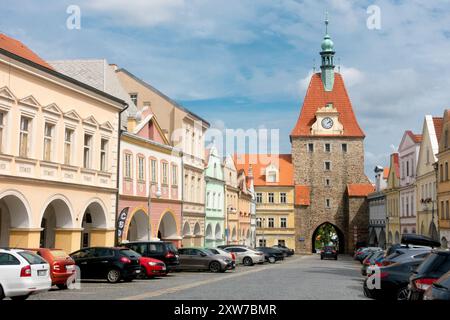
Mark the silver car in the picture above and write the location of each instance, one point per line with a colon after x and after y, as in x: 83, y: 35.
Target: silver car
x: 247, y: 256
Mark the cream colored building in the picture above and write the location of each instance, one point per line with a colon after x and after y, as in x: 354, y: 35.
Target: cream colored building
x: 231, y: 201
x: 392, y: 193
x: 426, y: 204
x: 58, y: 155
x: 185, y: 131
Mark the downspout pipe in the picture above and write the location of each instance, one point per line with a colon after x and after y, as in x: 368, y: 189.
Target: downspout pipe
x: 120, y: 132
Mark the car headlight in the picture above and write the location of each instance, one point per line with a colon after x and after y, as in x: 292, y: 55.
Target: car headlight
x: 153, y: 264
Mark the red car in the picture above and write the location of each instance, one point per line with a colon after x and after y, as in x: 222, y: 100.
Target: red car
x: 152, y: 268
x: 62, y: 266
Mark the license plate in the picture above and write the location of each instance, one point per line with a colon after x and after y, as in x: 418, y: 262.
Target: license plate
x: 163, y: 268
x: 70, y: 268
x: 42, y: 273
x: 138, y: 271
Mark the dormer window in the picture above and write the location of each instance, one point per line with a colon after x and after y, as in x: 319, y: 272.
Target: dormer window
x: 271, y: 174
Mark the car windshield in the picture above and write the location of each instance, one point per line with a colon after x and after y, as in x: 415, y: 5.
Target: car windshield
x: 130, y: 253
x: 59, y: 254
x: 435, y: 263
x: 31, y: 257
x: 213, y: 251
x: 328, y: 248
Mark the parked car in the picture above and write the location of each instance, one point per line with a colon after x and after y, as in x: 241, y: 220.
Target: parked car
x: 328, y: 252
x: 246, y: 256
x: 62, y: 266
x: 419, y: 240
x: 151, y: 268
x: 271, y: 255
x: 440, y: 290
x: 160, y: 250
x: 224, y: 246
x: 110, y: 263
x: 22, y: 273
x: 288, y: 251
x: 363, y: 253
x: 393, y: 281
x: 371, y: 261
x: 202, y: 259
x: 406, y: 253
x: 431, y: 269
x: 224, y: 253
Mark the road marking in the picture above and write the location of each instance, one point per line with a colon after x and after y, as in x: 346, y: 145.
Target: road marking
x: 201, y: 283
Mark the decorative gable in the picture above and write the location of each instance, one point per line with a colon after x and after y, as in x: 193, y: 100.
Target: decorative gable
x: 54, y: 109
x: 30, y: 101
x: 90, y: 121
x: 6, y: 94
x: 271, y: 173
x: 72, y: 115
x: 107, y: 126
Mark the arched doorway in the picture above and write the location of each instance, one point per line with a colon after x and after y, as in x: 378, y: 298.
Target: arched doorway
x: 167, y: 228
x: 57, y: 215
x: 218, y: 233
x: 382, y: 239
x: 13, y: 215
x: 197, y: 235
x: 139, y: 227
x: 390, y: 238
x: 373, y: 238
x: 209, y: 239
x: 397, y: 237
x: 434, y: 234
x: 234, y: 235
x: 94, y: 220
x: 187, y: 236
x: 328, y: 234
x: 444, y: 243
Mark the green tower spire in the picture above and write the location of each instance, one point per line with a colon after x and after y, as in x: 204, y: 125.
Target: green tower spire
x: 327, y: 54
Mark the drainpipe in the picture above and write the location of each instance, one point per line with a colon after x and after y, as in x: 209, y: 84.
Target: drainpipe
x: 120, y: 131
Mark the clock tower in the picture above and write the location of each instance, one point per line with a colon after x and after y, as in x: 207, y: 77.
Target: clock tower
x: 328, y: 159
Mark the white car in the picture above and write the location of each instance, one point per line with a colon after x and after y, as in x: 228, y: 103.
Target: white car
x: 22, y: 273
x: 247, y: 256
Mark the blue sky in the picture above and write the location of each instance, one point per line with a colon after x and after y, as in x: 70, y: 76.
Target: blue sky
x: 246, y: 64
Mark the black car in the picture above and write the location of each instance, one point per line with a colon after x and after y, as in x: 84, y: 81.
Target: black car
x: 365, y: 252
x: 160, y: 250
x: 289, y: 252
x: 440, y: 290
x: 112, y: 264
x: 371, y: 260
x: 328, y: 252
x: 431, y: 269
x: 271, y: 255
x: 393, y: 281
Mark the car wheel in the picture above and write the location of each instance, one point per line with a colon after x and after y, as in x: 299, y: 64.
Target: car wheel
x: 142, y: 274
x: 247, y: 261
x: 62, y: 286
x: 2, y: 295
x: 321, y: 258
x: 272, y: 260
x: 113, y: 276
x: 402, y: 294
x: 20, y: 298
x: 214, y: 267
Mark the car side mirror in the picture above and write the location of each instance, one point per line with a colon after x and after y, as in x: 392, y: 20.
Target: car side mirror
x: 203, y: 254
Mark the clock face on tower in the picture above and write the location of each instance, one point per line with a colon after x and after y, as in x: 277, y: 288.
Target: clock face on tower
x: 327, y: 123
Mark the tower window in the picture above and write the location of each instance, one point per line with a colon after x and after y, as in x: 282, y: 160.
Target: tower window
x: 344, y: 148
x: 310, y: 147
x: 328, y: 203
x: 327, y: 182
x: 327, y: 147
x: 327, y: 165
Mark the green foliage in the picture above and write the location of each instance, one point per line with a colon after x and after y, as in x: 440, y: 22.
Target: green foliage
x: 326, y: 235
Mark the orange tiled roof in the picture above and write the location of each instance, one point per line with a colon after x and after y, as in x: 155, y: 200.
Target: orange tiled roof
x: 19, y: 49
x: 438, y: 121
x: 260, y: 162
x: 386, y: 173
x: 316, y: 97
x: 302, y: 195
x: 359, y: 189
x: 396, y: 165
x: 417, y: 138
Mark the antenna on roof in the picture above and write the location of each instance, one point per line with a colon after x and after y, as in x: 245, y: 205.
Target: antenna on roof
x: 314, y: 65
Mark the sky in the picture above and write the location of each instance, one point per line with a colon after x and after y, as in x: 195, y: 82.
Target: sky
x: 246, y: 64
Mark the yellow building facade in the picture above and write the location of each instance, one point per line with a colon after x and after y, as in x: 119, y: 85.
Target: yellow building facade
x: 392, y: 192
x: 443, y: 189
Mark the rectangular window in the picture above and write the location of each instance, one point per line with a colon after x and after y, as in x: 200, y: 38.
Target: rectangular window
x: 344, y: 148
x: 127, y: 165
x: 283, y: 222
x: 153, y: 170
x: 281, y: 242
x: 134, y: 98
x: 327, y: 182
x: 25, y: 124
x: 141, y: 165
x: 327, y: 147
x: 48, y: 141
x: 442, y: 210
x: 2, y: 124
x: 441, y: 173
x: 310, y: 147
x: 271, y: 197
x: 259, y: 197
x: 258, y: 223
x: 282, y: 197
x: 271, y: 222
x: 446, y: 171
x: 262, y: 242
x: 447, y: 210
x: 327, y: 203
x: 327, y: 165
x: 87, y: 151
x: 174, y: 175
x: 103, y: 154
x: 164, y: 173
x: 68, y: 139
